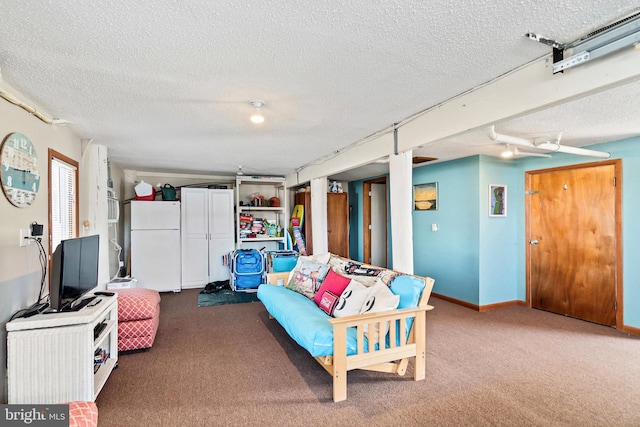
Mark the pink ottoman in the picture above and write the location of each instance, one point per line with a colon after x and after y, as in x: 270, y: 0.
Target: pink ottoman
x: 138, y: 318
x: 83, y: 414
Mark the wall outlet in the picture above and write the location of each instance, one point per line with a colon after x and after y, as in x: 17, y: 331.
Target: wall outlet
x: 434, y: 227
x: 24, y: 233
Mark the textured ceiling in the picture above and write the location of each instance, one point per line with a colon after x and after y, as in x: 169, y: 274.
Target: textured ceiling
x: 166, y: 85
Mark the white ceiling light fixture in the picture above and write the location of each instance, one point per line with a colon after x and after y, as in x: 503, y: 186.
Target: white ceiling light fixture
x: 546, y: 145
x: 257, y: 117
x: 508, y: 152
x: 515, y: 153
x: 240, y: 173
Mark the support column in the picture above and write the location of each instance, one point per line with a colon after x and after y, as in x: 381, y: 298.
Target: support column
x: 319, y: 212
x: 400, y: 199
x: 93, y: 206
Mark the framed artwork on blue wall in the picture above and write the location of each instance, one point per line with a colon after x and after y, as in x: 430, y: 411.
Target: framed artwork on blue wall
x: 425, y: 197
x: 497, y: 200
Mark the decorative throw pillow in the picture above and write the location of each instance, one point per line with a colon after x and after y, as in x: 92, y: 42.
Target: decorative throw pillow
x: 386, y: 277
x: 351, y: 300
x: 328, y: 301
x: 380, y: 298
x: 307, y: 277
x: 319, y: 258
x: 363, y: 273
x: 334, y: 283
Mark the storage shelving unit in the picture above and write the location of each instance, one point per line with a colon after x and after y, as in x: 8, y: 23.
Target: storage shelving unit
x: 51, y: 356
x: 267, y: 187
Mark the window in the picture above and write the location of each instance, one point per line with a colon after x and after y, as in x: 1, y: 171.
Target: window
x: 63, y: 199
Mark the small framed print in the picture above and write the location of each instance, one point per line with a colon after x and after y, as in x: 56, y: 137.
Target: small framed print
x: 425, y: 197
x: 497, y: 200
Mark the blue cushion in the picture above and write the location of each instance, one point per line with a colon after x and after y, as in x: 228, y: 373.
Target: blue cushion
x: 410, y: 289
x: 303, y: 320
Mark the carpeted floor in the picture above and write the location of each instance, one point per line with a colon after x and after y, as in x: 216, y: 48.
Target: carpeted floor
x: 232, y: 365
x: 225, y: 296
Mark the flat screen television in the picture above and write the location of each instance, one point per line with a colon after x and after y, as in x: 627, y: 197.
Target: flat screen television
x: 74, y: 271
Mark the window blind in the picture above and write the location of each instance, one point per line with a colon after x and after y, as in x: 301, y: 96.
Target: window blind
x: 64, y: 217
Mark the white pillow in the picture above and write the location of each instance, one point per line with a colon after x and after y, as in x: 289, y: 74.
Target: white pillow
x: 351, y: 300
x: 380, y: 298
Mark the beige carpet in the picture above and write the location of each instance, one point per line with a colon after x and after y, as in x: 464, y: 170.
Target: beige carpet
x: 232, y: 365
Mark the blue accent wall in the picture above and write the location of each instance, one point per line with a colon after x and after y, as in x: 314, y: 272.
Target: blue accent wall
x: 451, y: 254
x: 481, y: 259
x: 499, y: 245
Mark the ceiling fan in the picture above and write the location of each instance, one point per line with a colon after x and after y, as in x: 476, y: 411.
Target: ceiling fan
x: 510, y: 152
x: 545, y: 144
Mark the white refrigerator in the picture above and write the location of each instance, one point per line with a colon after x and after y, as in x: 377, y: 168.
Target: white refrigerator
x: 155, y: 245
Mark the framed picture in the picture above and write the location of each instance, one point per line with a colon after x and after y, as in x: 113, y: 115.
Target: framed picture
x: 425, y: 197
x: 497, y: 200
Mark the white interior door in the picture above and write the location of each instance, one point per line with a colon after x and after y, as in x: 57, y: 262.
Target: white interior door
x: 221, y: 232
x: 195, y: 238
x: 379, y: 224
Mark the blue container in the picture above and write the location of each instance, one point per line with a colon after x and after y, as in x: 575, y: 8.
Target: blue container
x: 281, y: 261
x: 248, y: 268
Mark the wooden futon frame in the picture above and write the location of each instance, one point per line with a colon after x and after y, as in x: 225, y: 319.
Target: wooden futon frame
x: 393, y: 358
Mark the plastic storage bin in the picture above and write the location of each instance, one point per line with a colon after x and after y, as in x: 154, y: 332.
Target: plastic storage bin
x: 281, y: 261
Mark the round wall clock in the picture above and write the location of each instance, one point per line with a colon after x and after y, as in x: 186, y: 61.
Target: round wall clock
x: 19, y: 170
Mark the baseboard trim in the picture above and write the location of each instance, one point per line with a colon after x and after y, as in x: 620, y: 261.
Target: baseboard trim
x: 630, y: 330
x: 488, y: 307
x: 481, y: 308
x: 455, y: 301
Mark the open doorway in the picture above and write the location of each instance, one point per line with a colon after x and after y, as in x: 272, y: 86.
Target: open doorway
x: 375, y: 224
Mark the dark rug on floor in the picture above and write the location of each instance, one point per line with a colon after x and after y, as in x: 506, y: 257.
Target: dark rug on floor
x: 225, y: 296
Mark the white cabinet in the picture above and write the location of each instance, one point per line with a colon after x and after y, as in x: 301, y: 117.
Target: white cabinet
x: 207, y: 235
x: 51, y: 356
x: 249, y: 212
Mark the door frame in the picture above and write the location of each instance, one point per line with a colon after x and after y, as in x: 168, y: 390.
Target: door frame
x: 617, y: 163
x: 366, y: 218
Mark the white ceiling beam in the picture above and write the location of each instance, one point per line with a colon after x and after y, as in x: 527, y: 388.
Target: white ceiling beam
x: 526, y: 90
x: 351, y: 157
x: 529, y: 89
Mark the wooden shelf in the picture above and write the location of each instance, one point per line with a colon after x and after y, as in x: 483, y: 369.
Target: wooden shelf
x: 262, y: 239
x: 246, y: 208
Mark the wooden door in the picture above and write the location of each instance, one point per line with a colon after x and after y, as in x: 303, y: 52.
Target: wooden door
x: 573, y: 242
x: 338, y: 224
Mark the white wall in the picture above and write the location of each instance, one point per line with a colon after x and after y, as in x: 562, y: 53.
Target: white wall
x: 20, y: 271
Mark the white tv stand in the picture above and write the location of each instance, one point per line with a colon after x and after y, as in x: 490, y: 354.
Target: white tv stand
x: 50, y: 356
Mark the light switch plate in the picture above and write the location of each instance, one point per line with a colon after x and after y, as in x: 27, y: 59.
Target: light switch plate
x: 25, y: 232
